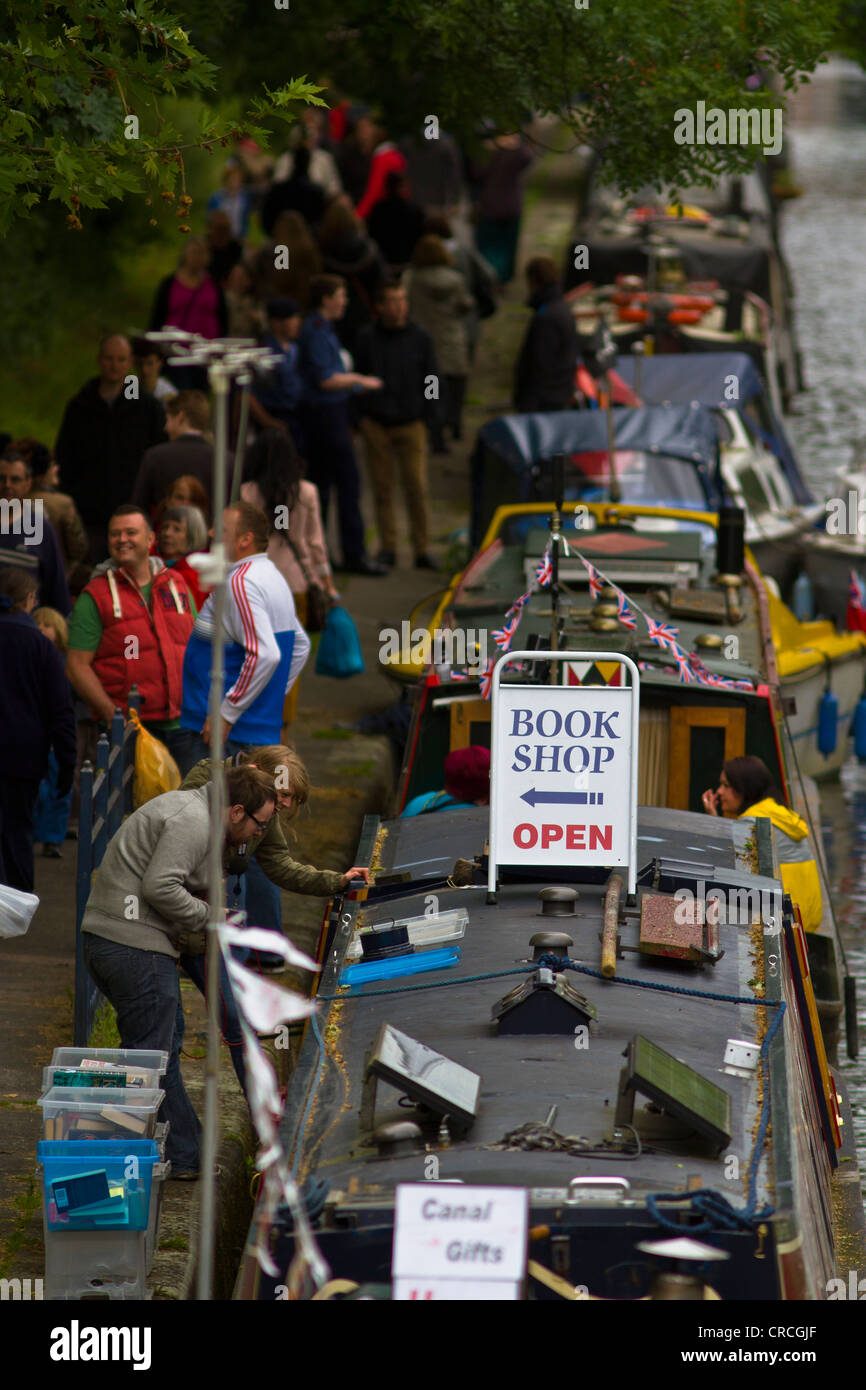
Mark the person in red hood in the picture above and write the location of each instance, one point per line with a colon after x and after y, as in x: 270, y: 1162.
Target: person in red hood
x: 386, y: 159
x: 467, y: 783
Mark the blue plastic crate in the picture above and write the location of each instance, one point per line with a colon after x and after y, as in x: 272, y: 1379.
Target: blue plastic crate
x: 97, y: 1185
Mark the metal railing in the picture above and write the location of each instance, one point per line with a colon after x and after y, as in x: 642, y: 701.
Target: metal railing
x: 105, y: 798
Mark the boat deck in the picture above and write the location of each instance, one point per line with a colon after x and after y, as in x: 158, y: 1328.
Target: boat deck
x: 523, y: 1076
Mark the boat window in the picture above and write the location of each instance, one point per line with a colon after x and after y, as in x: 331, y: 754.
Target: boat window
x: 752, y: 488
x: 725, y: 429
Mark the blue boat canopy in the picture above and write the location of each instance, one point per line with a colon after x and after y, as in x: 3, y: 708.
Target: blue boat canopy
x: 510, y: 451
x: 683, y: 431
x: 679, y: 378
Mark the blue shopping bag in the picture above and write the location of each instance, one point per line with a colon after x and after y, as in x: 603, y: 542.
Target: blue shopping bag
x: 339, y: 653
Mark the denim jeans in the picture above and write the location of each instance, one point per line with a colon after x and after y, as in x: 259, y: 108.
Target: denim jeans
x: 188, y: 748
x: 230, y: 1025
x: 144, y: 988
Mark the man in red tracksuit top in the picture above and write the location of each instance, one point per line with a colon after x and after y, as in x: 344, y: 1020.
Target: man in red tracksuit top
x: 130, y: 626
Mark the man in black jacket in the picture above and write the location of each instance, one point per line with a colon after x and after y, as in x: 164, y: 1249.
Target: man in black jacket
x: 393, y: 419
x: 35, y: 716
x: 187, y: 416
x: 105, y: 430
x: 544, y: 375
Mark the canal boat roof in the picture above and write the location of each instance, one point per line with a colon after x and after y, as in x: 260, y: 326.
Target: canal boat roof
x: 595, y: 1184
x: 511, y: 449
x: 706, y: 377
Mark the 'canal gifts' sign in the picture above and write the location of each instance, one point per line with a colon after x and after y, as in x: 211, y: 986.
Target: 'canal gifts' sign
x: 563, y: 771
x: 458, y: 1242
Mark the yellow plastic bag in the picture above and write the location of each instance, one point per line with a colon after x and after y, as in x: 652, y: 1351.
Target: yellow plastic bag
x: 155, y: 769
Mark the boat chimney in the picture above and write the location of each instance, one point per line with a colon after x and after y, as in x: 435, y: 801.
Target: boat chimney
x: 731, y: 540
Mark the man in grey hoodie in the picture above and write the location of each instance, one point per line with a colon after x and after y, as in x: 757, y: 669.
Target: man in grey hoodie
x: 147, y: 906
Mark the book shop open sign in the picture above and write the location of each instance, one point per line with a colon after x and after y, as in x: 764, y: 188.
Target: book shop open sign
x: 563, y: 778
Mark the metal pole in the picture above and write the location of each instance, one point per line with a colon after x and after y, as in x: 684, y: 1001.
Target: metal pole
x: 219, y: 380
x: 555, y: 530
x: 244, y: 382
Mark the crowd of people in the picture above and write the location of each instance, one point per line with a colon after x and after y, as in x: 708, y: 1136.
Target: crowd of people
x: 366, y: 266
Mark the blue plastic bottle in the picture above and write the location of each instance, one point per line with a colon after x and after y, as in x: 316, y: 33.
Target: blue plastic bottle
x: 858, y: 729
x: 828, y: 721
x: 803, y: 598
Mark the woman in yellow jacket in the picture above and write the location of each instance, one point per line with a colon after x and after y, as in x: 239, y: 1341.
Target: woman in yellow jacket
x: 746, y: 789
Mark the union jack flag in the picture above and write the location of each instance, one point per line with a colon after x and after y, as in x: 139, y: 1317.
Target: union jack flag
x: 503, y: 635
x: 624, y: 613
x: 596, y: 583
x: 544, y: 569
x: 457, y: 675
x: 663, y: 634
x: 684, y: 670
x: 519, y: 604
x: 855, y: 617
x: 487, y: 681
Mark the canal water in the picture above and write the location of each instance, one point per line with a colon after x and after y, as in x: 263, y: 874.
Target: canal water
x: 824, y: 236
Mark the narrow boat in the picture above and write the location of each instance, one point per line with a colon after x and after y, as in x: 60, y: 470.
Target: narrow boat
x: 693, y: 452
x: 514, y: 1013
x: 830, y: 555
x: 727, y: 237
x: 739, y: 631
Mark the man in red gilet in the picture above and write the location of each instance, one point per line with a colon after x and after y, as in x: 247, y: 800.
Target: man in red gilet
x: 130, y: 626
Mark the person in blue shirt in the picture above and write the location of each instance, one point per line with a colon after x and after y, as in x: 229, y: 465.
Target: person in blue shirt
x: 467, y: 783
x: 275, y: 399
x: 327, y: 434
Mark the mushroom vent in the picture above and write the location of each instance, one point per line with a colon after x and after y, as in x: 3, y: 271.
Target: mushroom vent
x: 558, y: 902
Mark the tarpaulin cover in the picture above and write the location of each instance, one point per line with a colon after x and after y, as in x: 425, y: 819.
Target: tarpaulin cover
x: 508, y: 449
x: 682, y: 431
x: 679, y: 378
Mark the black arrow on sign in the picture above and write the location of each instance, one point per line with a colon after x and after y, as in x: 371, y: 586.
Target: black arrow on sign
x: 562, y: 798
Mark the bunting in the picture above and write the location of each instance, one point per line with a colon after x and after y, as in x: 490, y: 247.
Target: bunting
x: 262, y: 1005
x: 487, y: 681
x: 544, y: 570
x: 690, y: 668
x: 624, y: 613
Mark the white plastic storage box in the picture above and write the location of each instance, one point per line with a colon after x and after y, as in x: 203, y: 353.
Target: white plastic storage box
x: 142, y: 1067
x: 100, y: 1112
x: 90, y: 1265
x: 97, y: 1186
x: 151, y: 1235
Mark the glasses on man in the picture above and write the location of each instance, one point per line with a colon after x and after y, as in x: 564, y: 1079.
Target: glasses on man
x: 262, y: 824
